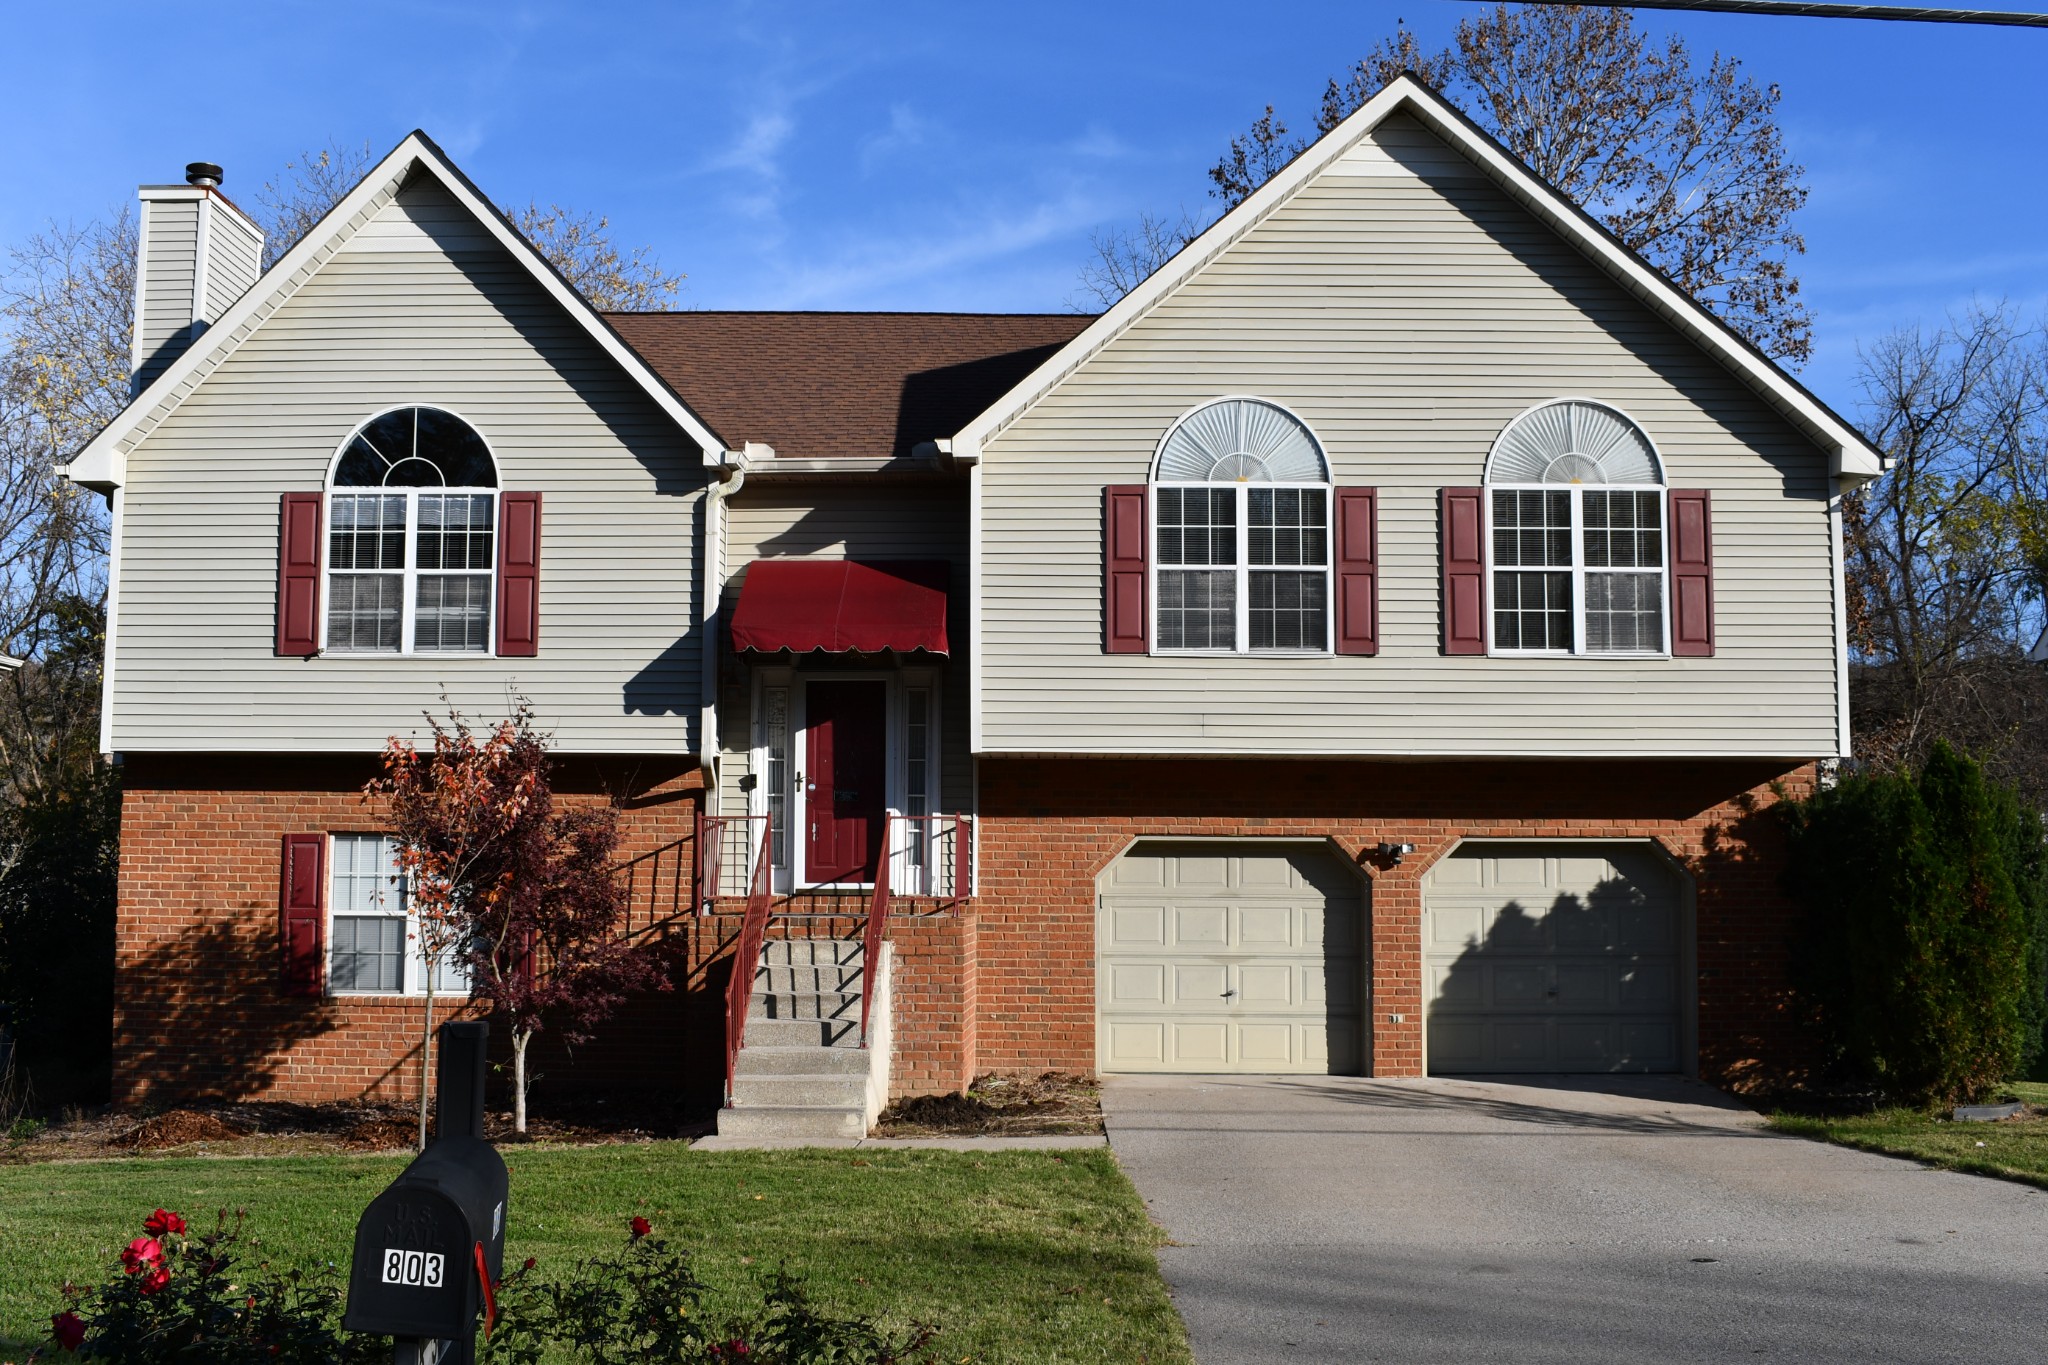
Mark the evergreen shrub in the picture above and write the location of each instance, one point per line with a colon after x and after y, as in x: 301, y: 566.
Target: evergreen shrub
x: 1923, y: 954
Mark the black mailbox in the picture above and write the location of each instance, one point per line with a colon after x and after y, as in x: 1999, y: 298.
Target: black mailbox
x: 431, y: 1245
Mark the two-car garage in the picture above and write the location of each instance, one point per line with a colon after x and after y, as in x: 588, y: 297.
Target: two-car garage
x: 1252, y: 956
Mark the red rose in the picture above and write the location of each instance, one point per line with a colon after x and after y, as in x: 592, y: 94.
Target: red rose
x: 69, y: 1330
x: 641, y: 1227
x: 154, y: 1280
x: 163, y: 1221
x: 141, y: 1253
x: 531, y: 1263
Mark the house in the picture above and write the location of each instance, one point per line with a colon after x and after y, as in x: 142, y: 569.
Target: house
x: 1368, y: 647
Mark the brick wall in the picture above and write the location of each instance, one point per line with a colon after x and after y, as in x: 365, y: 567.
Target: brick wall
x: 1050, y: 827
x: 1004, y: 984
x: 198, y: 1007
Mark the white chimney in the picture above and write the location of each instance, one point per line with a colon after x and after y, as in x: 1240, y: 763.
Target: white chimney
x: 199, y: 253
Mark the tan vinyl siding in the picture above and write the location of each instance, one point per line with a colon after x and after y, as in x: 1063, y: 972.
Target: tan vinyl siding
x: 457, y: 324
x: 235, y: 259
x: 836, y: 521
x: 169, y: 258
x: 1407, y: 321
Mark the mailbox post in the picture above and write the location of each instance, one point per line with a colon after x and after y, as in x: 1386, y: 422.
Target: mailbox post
x: 430, y: 1249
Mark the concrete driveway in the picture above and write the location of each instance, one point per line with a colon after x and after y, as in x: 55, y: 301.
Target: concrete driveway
x: 1562, y: 1219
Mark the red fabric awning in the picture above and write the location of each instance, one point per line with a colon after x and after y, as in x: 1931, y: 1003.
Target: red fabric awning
x: 837, y: 607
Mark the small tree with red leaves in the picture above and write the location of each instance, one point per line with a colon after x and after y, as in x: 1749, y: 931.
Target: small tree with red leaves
x: 527, y: 896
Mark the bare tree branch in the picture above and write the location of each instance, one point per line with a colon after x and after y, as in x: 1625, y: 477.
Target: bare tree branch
x: 1124, y: 259
x: 1686, y: 167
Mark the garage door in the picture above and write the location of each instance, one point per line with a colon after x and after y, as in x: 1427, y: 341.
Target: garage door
x: 1229, y: 958
x: 1552, y: 957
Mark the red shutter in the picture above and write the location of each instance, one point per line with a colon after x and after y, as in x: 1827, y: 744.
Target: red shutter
x: 1464, y: 556
x: 303, y: 927
x: 1126, y: 612
x: 298, y: 576
x: 1692, y: 574
x: 519, y: 574
x: 1358, y: 571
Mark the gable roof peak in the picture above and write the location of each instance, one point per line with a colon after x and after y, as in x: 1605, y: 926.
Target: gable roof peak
x: 102, y: 464
x: 1851, y: 456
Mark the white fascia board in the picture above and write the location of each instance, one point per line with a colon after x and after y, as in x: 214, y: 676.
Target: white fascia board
x: 103, y: 462
x: 1850, y: 456
x: 1413, y: 757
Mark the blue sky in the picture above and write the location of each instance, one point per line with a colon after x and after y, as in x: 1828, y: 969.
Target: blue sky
x: 956, y: 156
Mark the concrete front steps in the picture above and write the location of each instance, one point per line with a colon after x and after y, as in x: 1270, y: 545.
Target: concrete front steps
x: 801, y: 1071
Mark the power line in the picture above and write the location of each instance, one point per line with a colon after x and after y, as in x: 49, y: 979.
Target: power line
x: 1823, y: 9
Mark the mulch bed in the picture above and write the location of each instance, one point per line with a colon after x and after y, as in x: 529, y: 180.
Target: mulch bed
x: 269, y: 1128
x: 178, y: 1128
x: 1053, y: 1104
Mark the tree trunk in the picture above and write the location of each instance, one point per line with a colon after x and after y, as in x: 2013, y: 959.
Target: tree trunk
x: 520, y: 1038
x: 426, y: 1052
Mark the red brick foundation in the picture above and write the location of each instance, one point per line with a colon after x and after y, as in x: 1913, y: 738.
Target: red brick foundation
x: 1006, y: 983
x: 1050, y: 827
x: 199, y: 1010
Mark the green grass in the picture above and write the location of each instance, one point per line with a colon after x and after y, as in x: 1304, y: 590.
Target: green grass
x: 1017, y: 1256
x: 2014, y: 1149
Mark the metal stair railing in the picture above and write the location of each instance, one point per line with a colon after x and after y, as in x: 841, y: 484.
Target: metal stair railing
x: 746, y: 962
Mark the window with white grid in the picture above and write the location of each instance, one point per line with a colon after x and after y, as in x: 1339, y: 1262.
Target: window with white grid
x: 1575, y: 512
x: 373, y: 939
x: 1241, y: 540
x: 411, y: 566
x: 917, y: 768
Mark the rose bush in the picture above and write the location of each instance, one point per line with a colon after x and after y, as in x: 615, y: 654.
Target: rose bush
x: 181, y: 1298
x: 644, y: 1303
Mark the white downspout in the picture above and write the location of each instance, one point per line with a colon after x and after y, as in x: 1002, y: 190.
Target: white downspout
x: 116, y: 502
x: 732, y: 466
x: 1841, y: 585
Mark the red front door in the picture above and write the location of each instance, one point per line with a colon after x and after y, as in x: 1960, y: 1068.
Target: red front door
x: 845, y: 765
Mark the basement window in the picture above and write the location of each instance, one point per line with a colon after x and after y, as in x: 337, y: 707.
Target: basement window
x: 372, y: 932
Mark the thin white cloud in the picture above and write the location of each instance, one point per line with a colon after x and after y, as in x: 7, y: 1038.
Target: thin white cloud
x: 853, y: 274
x: 907, y: 129
x: 757, y: 150
x: 1930, y: 270
x: 1099, y: 144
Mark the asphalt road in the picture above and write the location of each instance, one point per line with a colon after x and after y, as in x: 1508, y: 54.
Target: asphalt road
x: 1569, y: 1219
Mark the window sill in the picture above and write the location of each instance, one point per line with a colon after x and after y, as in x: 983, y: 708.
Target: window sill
x: 1568, y: 654
x: 1242, y: 654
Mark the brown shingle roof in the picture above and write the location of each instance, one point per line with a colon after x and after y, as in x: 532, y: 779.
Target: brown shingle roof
x: 824, y: 385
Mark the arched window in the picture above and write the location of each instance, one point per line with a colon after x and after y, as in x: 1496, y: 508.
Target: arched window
x: 411, y: 537
x: 1241, y: 503
x: 1575, y: 498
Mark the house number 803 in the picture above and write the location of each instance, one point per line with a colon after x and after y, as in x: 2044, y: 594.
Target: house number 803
x: 421, y: 1268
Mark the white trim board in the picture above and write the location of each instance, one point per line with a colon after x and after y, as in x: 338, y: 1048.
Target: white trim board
x: 103, y: 464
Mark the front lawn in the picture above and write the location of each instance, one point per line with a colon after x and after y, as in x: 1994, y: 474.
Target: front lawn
x: 1017, y: 1256
x: 2016, y: 1149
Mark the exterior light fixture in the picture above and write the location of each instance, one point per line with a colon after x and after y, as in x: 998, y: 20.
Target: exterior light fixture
x: 1390, y: 855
